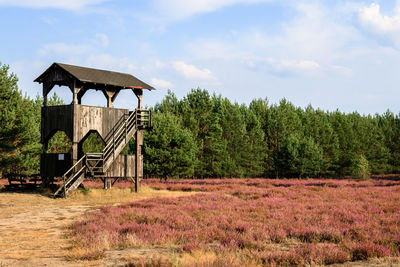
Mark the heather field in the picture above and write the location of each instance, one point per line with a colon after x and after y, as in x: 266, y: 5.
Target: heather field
x: 253, y: 222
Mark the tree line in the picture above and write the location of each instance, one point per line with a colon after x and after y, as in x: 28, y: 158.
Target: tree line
x: 203, y: 135
x: 206, y: 135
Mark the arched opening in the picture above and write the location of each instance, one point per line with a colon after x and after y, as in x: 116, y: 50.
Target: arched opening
x: 92, y: 143
x: 94, y: 98
x: 59, y: 95
x: 59, y: 143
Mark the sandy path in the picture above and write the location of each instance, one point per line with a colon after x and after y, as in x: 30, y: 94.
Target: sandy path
x: 33, y: 228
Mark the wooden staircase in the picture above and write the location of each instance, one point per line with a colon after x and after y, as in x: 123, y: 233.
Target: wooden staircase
x: 97, y: 164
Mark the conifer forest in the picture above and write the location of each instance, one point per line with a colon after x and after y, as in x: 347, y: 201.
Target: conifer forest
x: 204, y: 135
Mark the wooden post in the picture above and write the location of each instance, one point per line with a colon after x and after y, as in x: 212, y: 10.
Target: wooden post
x: 139, y: 140
x: 75, y: 98
x: 76, y: 92
x: 107, y: 183
x: 47, y: 86
x: 108, y: 95
x: 75, y: 152
x: 138, y: 160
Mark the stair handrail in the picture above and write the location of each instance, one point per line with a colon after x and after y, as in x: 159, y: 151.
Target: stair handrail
x: 127, y: 124
x: 118, y: 125
x: 66, y: 182
x: 145, y: 116
x: 124, y: 125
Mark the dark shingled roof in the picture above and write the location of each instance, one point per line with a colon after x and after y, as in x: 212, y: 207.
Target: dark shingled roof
x: 96, y: 76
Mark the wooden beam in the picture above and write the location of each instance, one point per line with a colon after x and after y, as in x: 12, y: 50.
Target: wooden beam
x: 139, y: 95
x: 81, y: 94
x: 137, y: 160
x: 47, y: 86
x: 115, y: 95
x: 108, y: 96
x: 75, y: 88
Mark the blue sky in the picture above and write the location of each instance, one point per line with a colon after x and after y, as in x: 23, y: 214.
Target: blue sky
x: 332, y: 54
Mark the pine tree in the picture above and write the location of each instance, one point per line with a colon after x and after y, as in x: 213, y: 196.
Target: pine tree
x: 283, y: 121
x: 287, y: 158
x: 234, y: 133
x: 360, y: 168
x: 201, y: 114
x: 310, y: 158
x: 169, y: 148
x: 263, y: 112
x: 316, y: 124
x: 18, y: 131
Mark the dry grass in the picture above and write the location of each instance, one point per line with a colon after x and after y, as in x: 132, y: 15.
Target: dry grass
x: 95, y: 196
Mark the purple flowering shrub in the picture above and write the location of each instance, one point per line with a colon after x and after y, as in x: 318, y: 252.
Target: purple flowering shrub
x: 275, y: 222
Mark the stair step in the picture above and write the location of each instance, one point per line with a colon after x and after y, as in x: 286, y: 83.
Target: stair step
x: 75, y: 185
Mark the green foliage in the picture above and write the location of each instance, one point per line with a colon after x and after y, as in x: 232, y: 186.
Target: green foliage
x: 85, y: 190
x: 311, y: 158
x: 298, y: 157
x: 282, y: 140
x: 19, y: 127
x: 170, y: 149
x: 360, y: 168
x: 93, y: 143
x: 59, y: 143
x: 256, y: 151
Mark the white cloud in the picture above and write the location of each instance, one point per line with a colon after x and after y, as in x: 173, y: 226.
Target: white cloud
x: 294, y: 65
x: 163, y: 84
x: 180, y: 9
x: 371, y: 17
x: 63, y: 49
x: 192, y: 72
x: 103, y: 39
x: 346, y: 71
x: 60, y: 4
x: 99, y: 41
x: 159, y: 64
x: 314, y: 40
x: 383, y: 28
x: 106, y: 61
x: 88, y: 54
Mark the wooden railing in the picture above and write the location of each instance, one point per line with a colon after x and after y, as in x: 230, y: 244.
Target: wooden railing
x: 67, y: 180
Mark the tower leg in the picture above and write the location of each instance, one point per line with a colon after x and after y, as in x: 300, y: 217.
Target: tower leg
x: 107, y: 183
x: 75, y: 152
x: 138, y: 160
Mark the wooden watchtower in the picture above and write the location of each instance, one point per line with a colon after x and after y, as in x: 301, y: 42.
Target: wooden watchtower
x: 114, y: 125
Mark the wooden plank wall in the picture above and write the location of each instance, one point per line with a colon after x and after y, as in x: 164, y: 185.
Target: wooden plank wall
x: 87, y: 118
x: 57, y: 118
x: 51, y: 165
x: 101, y: 119
x: 124, y: 166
